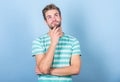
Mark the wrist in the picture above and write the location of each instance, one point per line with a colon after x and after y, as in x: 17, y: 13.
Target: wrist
x: 51, y: 73
x: 53, y: 44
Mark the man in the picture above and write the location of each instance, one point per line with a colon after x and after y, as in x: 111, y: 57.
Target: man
x: 57, y: 54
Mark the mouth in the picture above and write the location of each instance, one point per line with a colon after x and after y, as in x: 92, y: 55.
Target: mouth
x: 55, y: 24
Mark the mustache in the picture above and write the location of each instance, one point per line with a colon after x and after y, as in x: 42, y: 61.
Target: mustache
x: 55, y: 22
x: 57, y: 25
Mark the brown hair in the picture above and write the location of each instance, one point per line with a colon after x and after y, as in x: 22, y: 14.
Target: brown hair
x: 50, y: 7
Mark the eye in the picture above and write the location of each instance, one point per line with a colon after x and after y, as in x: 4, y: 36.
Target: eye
x: 56, y: 14
x: 49, y: 17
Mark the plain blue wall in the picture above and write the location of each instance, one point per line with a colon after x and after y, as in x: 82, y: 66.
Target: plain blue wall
x: 96, y: 23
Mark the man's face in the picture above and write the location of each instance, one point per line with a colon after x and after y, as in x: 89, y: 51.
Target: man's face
x: 53, y: 18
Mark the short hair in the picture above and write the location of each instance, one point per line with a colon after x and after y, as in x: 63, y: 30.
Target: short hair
x: 50, y: 7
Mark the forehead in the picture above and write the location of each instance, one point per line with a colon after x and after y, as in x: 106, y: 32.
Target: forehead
x: 52, y: 12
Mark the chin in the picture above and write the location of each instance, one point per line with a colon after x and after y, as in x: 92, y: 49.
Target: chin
x: 57, y: 26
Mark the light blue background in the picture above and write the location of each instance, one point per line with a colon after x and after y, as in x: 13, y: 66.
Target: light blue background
x: 96, y: 24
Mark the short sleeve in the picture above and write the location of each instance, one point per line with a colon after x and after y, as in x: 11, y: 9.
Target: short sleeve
x: 37, y: 47
x: 76, y: 48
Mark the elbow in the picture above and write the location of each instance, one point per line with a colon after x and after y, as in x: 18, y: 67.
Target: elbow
x: 44, y: 70
x: 77, y: 71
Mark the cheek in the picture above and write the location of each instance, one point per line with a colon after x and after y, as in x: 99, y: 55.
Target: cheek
x: 49, y: 22
x: 59, y: 19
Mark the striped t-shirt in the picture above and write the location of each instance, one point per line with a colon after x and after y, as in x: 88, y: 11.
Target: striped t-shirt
x: 65, y: 49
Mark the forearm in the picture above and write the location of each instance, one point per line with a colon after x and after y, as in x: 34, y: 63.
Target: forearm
x: 46, y: 61
x: 65, y: 71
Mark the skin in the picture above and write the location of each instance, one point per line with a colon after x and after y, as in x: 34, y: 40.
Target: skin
x: 53, y: 19
x: 44, y: 61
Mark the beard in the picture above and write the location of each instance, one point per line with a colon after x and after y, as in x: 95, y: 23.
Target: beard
x: 53, y: 25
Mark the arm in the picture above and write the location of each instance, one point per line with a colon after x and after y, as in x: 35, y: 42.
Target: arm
x: 44, y: 61
x: 69, y: 70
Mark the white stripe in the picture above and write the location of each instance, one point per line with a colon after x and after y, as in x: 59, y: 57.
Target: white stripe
x: 37, y: 39
x: 68, y: 38
x: 34, y: 46
x: 60, y: 65
x: 60, y: 42
x: 64, y: 46
x: 77, y: 46
x: 36, y: 42
x: 76, y: 50
x: 36, y: 50
x: 65, y: 42
x: 47, y: 38
x: 63, y: 55
x: 76, y: 42
x: 63, y: 51
x: 56, y: 60
x: 41, y: 78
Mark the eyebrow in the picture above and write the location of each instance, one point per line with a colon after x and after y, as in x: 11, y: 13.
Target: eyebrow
x: 54, y: 14
x: 48, y: 15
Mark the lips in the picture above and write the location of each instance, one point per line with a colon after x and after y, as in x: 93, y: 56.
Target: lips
x: 55, y: 23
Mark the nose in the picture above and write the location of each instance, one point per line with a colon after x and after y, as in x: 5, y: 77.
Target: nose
x: 54, y: 18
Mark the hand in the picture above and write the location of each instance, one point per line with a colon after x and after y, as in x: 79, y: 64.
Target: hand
x: 37, y: 71
x: 55, y: 34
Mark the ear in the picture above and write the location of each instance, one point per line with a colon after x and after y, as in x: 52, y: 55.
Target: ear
x: 61, y: 17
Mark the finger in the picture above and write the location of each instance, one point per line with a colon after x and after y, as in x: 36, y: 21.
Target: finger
x: 53, y: 30
x: 57, y: 30
x: 58, y: 33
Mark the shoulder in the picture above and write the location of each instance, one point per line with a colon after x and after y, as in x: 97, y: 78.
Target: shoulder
x: 40, y: 38
x: 70, y: 37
